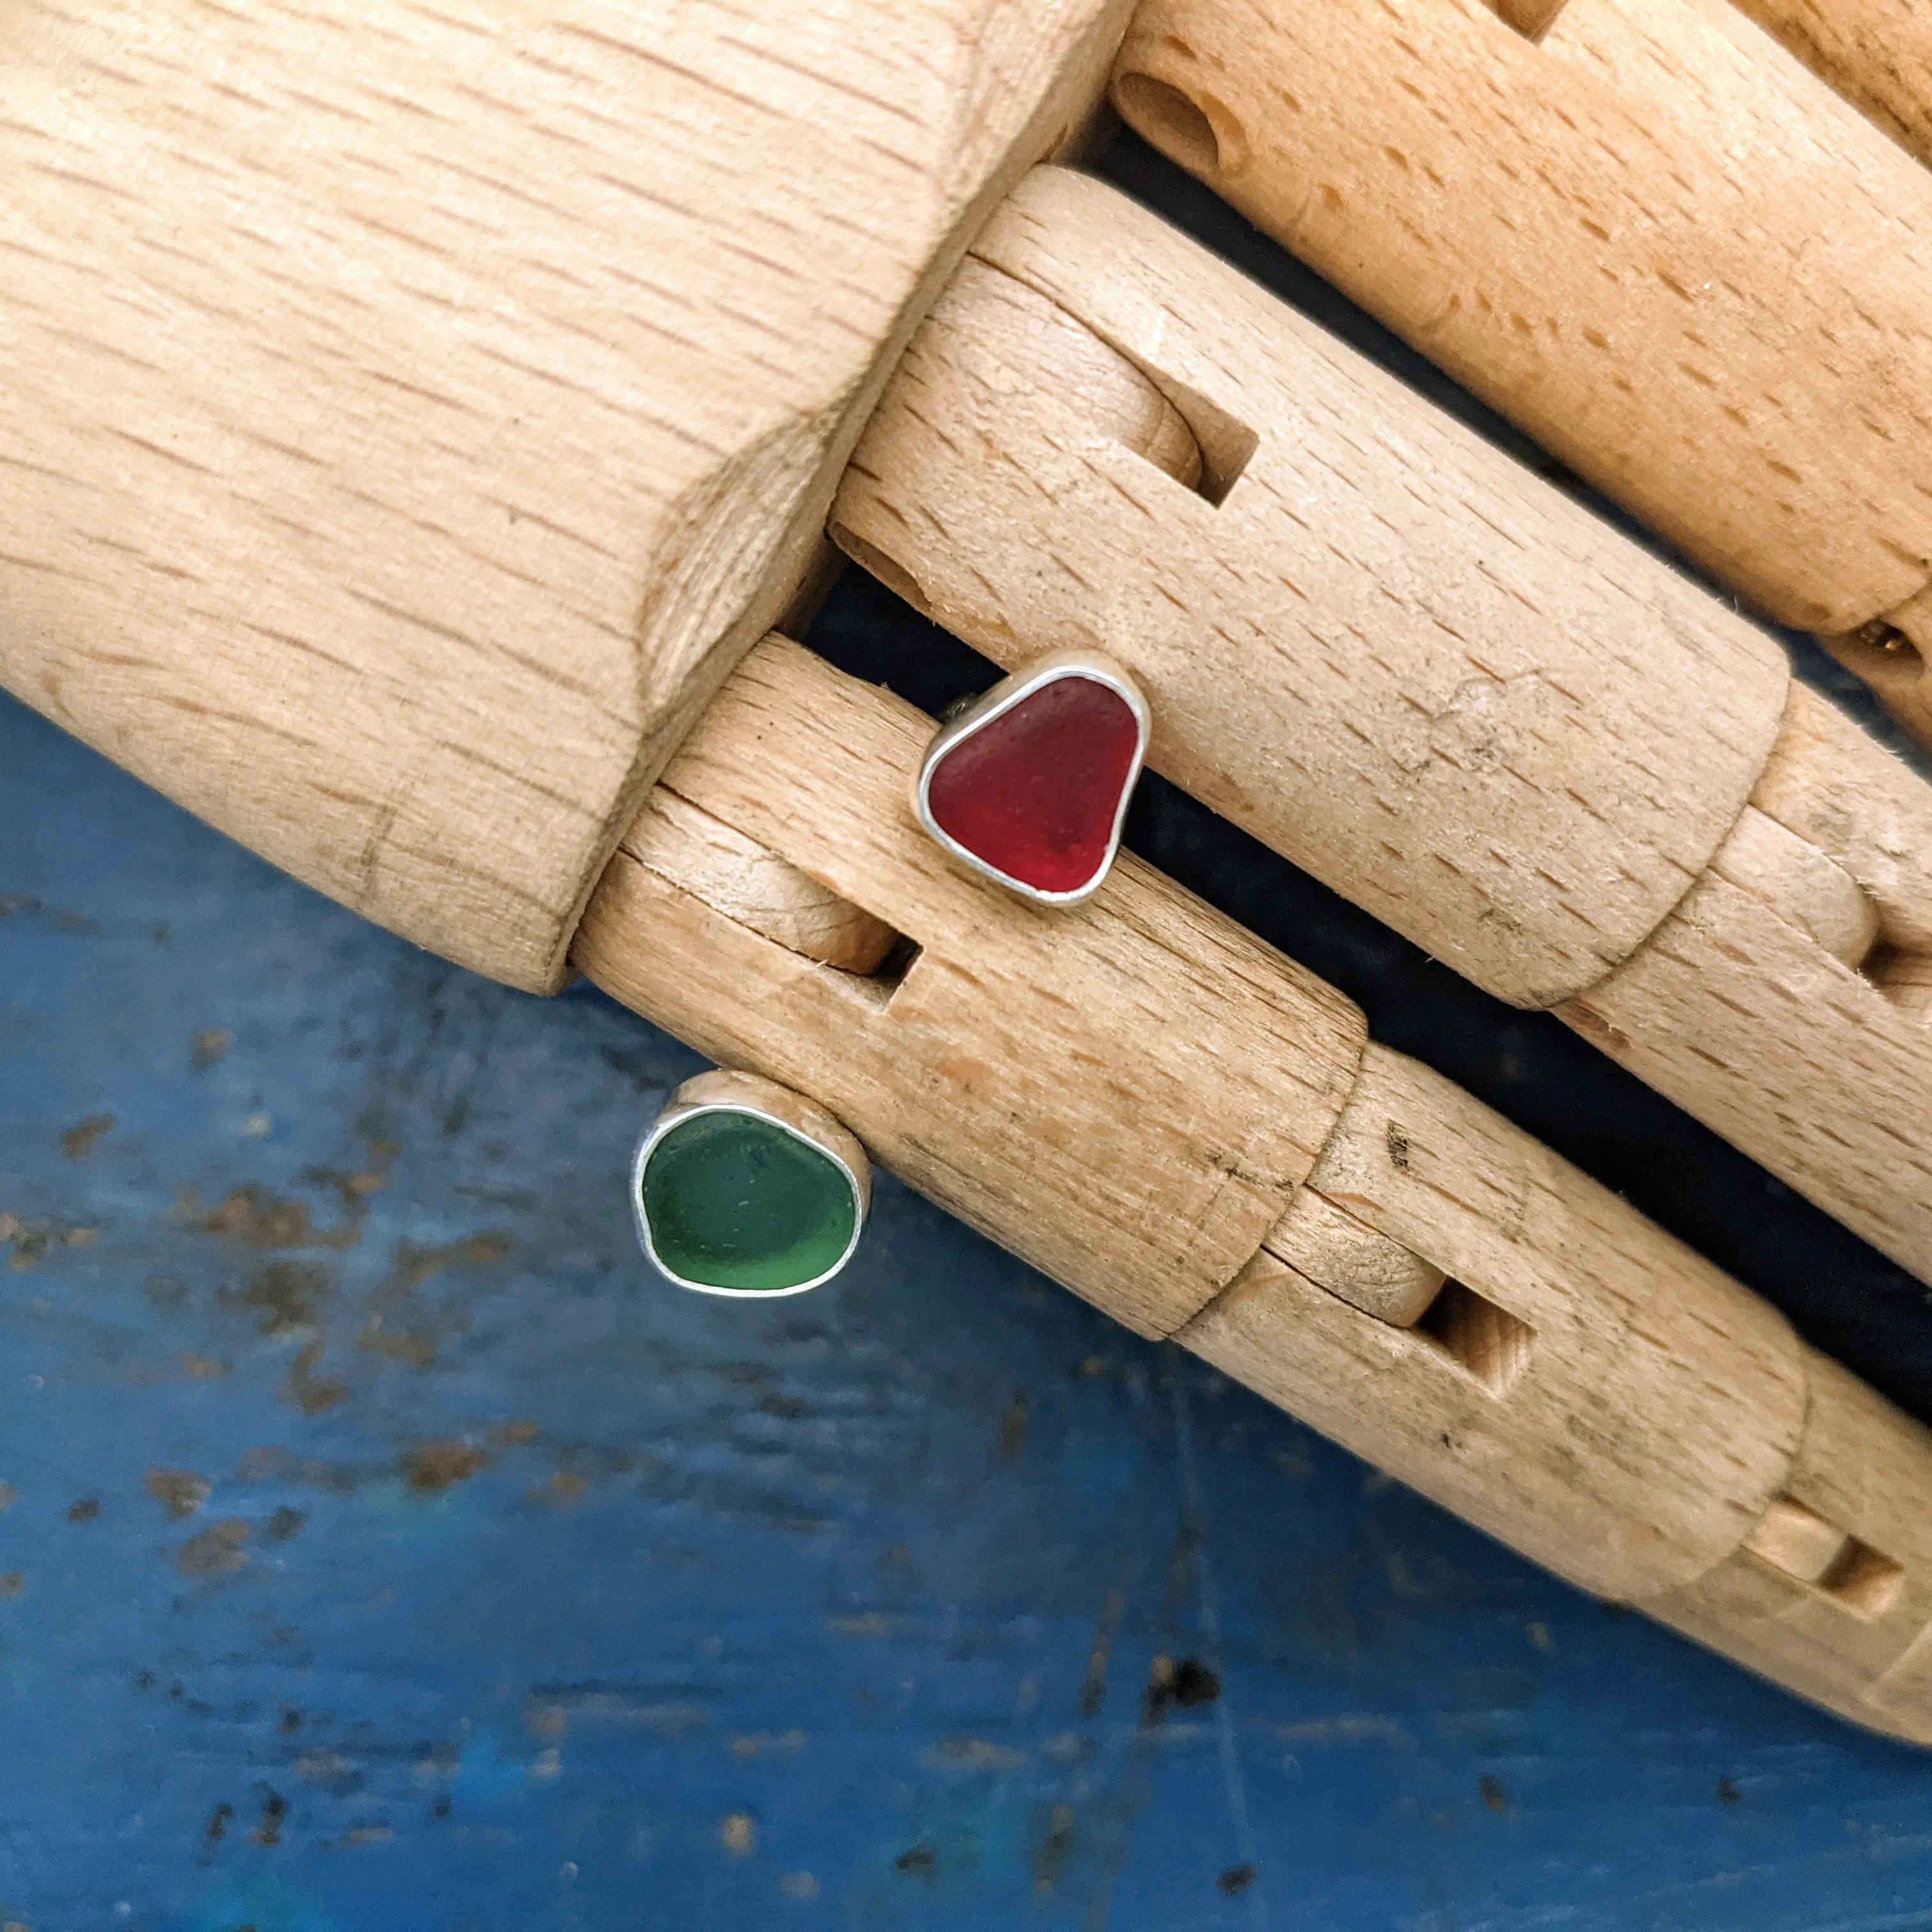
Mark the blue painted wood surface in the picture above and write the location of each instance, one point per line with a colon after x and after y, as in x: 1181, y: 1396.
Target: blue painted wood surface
x: 384, y: 1548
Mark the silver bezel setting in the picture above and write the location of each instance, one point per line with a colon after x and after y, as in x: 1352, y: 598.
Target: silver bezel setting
x: 728, y: 1093
x: 1002, y: 696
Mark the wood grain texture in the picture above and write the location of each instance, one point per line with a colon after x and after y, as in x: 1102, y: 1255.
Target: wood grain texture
x: 1380, y: 646
x: 1738, y: 1013
x: 408, y: 415
x: 1859, y: 1640
x: 1813, y: 893
x: 1649, y: 237
x: 1877, y: 53
x: 1659, y: 1417
x: 1349, y: 1258
x: 1833, y: 785
x: 1124, y: 1092
x: 1418, y: 672
x: 1660, y: 1405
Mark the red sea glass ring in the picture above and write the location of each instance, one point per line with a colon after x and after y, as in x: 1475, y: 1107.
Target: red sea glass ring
x: 1029, y: 784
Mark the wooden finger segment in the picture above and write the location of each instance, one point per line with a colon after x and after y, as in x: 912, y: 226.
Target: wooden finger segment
x: 407, y: 420
x: 1605, y: 1403
x: 1832, y: 1591
x: 1643, y: 232
x: 1737, y: 1012
x: 1417, y: 671
x: 1366, y: 637
x: 1125, y: 1092
x: 1644, y: 1412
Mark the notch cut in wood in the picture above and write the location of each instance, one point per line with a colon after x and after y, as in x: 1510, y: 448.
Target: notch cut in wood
x: 1802, y: 1544
x: 755, y: 887
x: 1532, y: 19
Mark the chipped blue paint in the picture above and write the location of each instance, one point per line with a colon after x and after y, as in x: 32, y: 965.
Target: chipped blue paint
x: 525, y: 1593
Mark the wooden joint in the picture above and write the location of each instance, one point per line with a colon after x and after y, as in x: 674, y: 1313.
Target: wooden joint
x: 1377, y: 1273
x: 739, y: 877
x: 1890, y: 654
x: 1847, y: 802
x: 1813, y: 892
x: 1798, y: 1542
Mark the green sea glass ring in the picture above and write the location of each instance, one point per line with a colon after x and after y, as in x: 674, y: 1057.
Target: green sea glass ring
x: 743, y: 1187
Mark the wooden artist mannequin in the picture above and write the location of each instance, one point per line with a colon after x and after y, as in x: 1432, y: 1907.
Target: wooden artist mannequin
x: 412, y: 427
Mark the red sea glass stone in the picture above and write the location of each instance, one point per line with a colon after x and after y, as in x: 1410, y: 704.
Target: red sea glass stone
x: 1035, y: 793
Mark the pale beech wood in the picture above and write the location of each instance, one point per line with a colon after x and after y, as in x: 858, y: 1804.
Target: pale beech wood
x: 1125, y: 1092
x: 1858, y: 1637
x: 1663, y: 1429
x: 408, y: 416
x: 1584, y: 1387
x: 1648, y: 236
x: 1797, y: 1540
x: 1742, y: 1017
x: 1828, y: 782
x: 753, y: 886
x: 1877, y: 53
x: 1660, y: 1405
x: 1422, y: 674
x: 1386, y: 650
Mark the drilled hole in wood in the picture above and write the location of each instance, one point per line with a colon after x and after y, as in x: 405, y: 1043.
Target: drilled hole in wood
x: 1532, y: 19
x: 1487, y: 1343
x: 1165, y: 117
x: 1796, y: 1541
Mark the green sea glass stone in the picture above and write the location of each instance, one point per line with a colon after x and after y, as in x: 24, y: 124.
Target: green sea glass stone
x: 732, y: 1200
